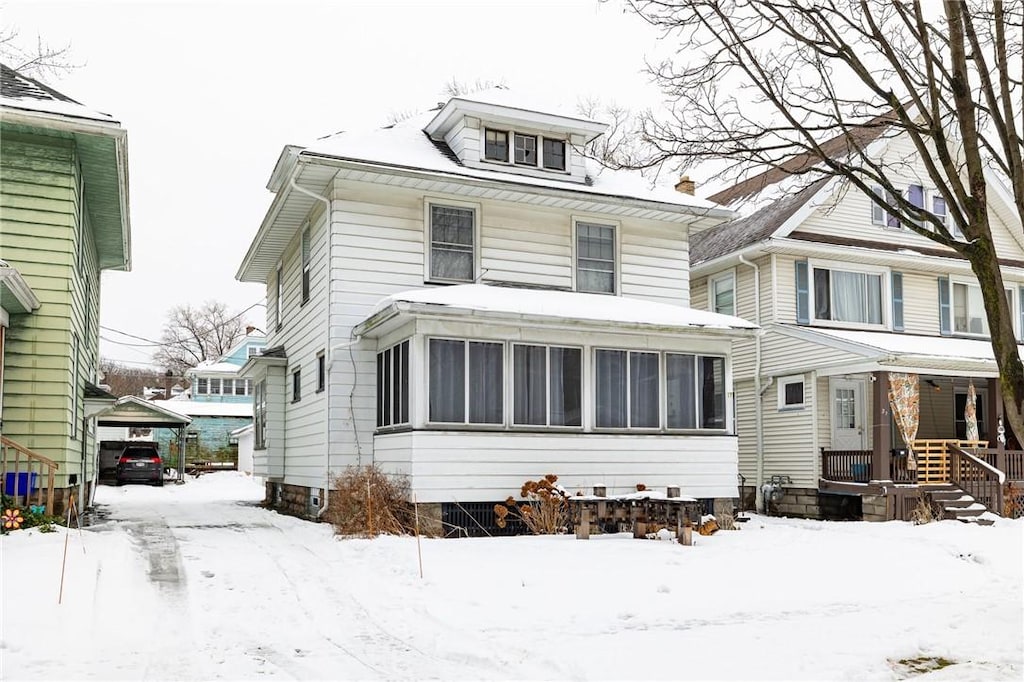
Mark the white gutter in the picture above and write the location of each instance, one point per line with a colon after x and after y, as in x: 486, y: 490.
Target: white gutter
x: 758, y: 405
x: 325, y: 502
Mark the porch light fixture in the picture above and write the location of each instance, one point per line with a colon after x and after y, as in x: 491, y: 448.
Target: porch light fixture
x: 931, y: 382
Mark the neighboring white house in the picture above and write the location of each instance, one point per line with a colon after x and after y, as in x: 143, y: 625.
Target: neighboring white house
x: 464, y: 299
x: 848, y: 299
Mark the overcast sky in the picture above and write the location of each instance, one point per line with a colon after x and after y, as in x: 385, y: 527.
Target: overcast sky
x: 211, y: 91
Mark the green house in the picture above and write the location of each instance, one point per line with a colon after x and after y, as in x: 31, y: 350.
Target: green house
x: 63, y: 220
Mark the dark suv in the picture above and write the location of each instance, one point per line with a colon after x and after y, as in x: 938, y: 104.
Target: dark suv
x: 140, y: 464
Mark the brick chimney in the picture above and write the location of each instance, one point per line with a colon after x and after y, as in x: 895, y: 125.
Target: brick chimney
x: 686, y: 185
x: 249, y: 329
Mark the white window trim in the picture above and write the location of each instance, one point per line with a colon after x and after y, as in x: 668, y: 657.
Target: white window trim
x: 725, y: 275
x: 428, y: 241
x: 972, y: 282
x: 789, y: 381
x: 542, y: 170
x: 617, y: 227
x: 886, y: 293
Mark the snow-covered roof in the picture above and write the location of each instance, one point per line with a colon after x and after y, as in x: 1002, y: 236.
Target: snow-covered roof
x: 195, y: 408
x: 406, y: 145
x: 211, y: 367
x: 503, y: 301
x: 905, y: 350
x: 18, y: 91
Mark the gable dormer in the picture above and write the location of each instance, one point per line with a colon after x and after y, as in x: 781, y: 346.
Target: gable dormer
x: 491, y: 131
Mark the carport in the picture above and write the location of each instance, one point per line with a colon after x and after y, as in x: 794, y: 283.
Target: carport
x: 132, y: 411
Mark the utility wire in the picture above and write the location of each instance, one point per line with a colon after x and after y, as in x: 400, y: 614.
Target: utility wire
x: 164, y: 344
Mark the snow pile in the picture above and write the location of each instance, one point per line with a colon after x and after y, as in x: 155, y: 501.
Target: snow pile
x: 197, y: 582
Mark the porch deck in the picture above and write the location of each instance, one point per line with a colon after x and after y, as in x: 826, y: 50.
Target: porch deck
x: 993, y: 476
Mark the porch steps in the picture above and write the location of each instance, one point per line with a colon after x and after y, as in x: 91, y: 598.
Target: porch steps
x: 959, y: 505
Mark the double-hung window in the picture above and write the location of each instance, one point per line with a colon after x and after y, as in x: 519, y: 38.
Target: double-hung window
x: 466, y: 382
x: 844, y: 296
x: 259, y: 413
x: 595, y: 258
x: 554, y: 154
x: 202, y: 386
x: 452, y: 243
x: 525, y: 149
x: 242, y: 386
x: 628, y: 390
x: 879, y: 214
x: 722, y: 292
x: 547, y: 385
x: 393, y: 385
x: 496, y: 145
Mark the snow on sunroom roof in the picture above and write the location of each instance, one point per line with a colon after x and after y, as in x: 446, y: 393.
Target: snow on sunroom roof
x: 565, y: 305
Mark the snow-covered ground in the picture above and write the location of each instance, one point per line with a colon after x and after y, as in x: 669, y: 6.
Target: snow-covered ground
x: 196, y: 582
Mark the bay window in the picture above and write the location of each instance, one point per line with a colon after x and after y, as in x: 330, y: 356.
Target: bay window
x: 392, y: 385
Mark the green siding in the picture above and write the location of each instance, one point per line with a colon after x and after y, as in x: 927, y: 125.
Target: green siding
x: 41, y: 235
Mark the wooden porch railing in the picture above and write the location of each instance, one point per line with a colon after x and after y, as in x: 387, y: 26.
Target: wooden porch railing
x: 933, y: 458
x: 977, y: 478
x: 851, y: 466
x: 1010, y: 462
x: 24, y: 472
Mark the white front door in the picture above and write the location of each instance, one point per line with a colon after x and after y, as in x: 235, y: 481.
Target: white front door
x: 847, y: 414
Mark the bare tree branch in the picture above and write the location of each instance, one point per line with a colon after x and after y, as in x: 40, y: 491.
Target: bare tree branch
x: 193, y: 335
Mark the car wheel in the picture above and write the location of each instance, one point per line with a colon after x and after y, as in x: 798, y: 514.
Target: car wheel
x: 159, y: 482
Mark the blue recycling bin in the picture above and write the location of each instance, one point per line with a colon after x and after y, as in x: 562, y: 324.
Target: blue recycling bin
x: 28, y: 482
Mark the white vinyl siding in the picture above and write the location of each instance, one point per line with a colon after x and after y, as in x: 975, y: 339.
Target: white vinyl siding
x: 487, y: 466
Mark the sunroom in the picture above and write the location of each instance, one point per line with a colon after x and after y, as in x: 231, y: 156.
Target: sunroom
x: 480, y: 388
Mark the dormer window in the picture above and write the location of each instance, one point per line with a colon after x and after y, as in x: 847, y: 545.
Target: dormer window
x: 496, y: 145
x: 526, y: 150
x: 532, y: 151
x: 554, y: 154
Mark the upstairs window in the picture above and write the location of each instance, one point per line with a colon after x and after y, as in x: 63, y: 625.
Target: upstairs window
x: 879, y: 215
x: 526, y: 150
x: 202, y: 386
x: 452, y: 243
x: 554, y: 154
x: 841, y: 296
x: 595, y: 258
x: 321, y: 371
x: 496, y: 145
x: 242, y: 386
x: 296, y: 385
x: 722, y: 292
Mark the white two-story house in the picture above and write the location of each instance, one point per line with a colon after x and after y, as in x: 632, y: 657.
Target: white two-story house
x: 461, y: 298
x: 851, y: 301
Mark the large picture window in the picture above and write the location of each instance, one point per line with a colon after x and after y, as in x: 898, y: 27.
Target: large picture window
x: 547, y: 386
x: 393, y: 385
x: 842, y: 296
x: 466, y: 382
x: 452, y: 243
x: 595, y: 258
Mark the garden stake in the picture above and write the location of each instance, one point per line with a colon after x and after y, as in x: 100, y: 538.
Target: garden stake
x: 419, y: 551
x: 369, y: 510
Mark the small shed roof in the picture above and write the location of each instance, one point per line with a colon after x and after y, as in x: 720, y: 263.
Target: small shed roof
x: 134, y: 411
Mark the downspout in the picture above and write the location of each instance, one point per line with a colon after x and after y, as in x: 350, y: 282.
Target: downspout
x: 758, y: 390
x: 325, y: 500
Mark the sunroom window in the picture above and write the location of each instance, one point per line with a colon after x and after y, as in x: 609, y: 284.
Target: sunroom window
x: 466, y: 382
x: 393, y: 385
x: 627, y: 394
x: 547, y: 385
x: 841, y: 296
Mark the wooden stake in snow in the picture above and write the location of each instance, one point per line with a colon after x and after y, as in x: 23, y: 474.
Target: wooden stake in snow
x: 64, y: 561
x: 419, y: 550
x: 369, y: 510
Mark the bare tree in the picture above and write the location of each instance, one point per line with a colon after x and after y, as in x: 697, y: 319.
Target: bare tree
x: 125, y: 380
x: 36, y: 57
x: 764, y: 83
x: 193, y: 335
